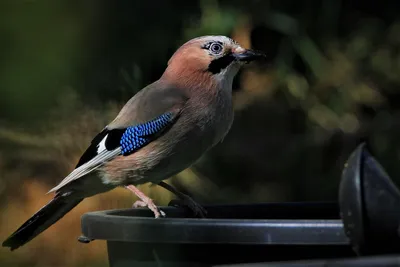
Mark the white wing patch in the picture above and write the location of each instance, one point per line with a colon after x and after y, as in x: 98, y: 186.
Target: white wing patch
x: 89, y: 166
x: 102, y: 145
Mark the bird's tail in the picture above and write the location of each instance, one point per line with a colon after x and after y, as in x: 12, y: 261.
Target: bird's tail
x: 41, y: 220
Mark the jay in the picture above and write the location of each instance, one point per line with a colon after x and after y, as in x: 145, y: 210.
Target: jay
x: 163, y: 129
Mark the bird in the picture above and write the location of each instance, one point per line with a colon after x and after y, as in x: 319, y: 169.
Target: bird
x: 162, y: 130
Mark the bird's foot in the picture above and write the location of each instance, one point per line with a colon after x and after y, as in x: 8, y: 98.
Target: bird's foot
x: 185, y: 200
x: 149, y: 204
x: 145, y: 201
x: 189, y: 202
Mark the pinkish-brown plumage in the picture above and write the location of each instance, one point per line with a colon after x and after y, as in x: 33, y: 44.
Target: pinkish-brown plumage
x: 207, y: 116
x: 195, y: 90
x: 190, y: 65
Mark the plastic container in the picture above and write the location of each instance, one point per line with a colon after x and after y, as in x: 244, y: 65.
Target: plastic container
x: 230, y: 234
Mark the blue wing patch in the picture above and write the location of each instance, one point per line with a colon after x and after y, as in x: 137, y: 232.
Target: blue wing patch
x: 135, y: 137
x: 129, y: 139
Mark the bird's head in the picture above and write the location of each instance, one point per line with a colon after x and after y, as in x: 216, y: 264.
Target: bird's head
x: 213, y: 58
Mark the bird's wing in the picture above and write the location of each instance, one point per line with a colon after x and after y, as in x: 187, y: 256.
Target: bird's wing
x: 144, y: 117
x: 149, y: 103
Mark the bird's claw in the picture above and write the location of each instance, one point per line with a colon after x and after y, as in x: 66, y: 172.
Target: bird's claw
x: 150, y: 205
x: 145, y: 201
x: 198, y: 210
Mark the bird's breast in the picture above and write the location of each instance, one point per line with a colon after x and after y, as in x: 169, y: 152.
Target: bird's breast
x: 213, y: 117
x: 202, y: 126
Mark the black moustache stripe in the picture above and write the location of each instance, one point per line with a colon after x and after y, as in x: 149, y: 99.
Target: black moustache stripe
x: 217, y: 65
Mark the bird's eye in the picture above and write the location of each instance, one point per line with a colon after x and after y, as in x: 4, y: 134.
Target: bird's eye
x: 216, y: 48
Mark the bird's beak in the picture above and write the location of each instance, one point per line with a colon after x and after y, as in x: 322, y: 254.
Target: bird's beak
x: 247, y: 55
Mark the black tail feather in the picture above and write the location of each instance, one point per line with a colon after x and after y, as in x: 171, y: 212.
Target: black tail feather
x: 41, y: 220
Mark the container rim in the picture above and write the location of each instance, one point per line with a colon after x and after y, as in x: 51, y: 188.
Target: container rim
x: 135, y: 225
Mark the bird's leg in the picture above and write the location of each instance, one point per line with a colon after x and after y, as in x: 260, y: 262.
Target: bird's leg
x: 145, y: 201
x: 192, y: 204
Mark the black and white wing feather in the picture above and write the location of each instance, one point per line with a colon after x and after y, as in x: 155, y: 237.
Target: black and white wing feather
x: 109, y: 144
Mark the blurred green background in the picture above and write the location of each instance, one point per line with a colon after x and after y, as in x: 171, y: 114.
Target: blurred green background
x: 66, y: 67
